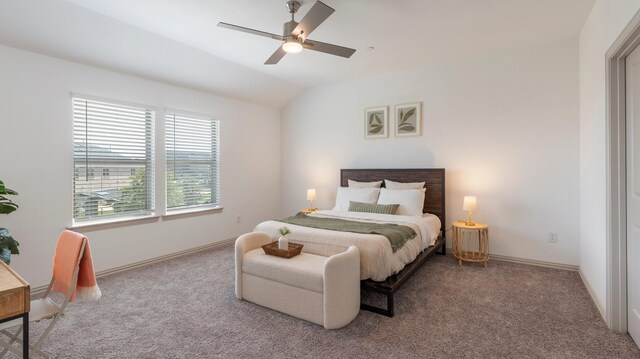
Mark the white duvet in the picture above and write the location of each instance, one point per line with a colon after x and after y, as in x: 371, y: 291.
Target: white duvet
x: 377, y: 260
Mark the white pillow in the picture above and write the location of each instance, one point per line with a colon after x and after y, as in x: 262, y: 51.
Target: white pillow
x: 356, y: 184
x: 401, y: 185
x: 411, y: 201
x: 346, y: 195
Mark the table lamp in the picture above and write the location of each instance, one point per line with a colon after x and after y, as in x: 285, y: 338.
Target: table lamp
x: 311, y: 196
x: 470, y: 204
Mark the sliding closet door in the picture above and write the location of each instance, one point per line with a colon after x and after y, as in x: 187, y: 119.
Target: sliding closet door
x: 633, y: 192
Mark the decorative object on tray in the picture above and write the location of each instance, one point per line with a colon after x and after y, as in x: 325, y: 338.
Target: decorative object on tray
x: 469, y: 204
x: 408, y: 119
x: 283, y: 241
x: 375, y: 122
x: 8, y: 245
x: 272, y: 249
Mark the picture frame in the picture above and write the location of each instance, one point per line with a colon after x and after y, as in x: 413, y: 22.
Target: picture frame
x: 376, y: 120
x: 408, y: 119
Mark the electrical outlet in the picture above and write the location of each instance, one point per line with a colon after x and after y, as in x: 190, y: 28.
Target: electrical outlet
x: 238, y: 219
x: 553, y: 237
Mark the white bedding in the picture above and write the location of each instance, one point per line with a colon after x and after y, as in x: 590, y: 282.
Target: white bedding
x: 377, y: 260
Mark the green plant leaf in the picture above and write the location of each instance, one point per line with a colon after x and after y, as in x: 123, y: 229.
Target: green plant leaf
x: 5, y: 190
x: 377, y: 119
x: 7, y: 241
x: 284, y: 231
x: 6, y: 205
x: 6, y: 208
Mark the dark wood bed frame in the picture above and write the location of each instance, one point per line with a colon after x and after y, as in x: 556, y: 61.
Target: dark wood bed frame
x: 433, y: 203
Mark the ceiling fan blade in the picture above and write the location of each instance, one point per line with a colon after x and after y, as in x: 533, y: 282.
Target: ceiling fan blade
x: 276, y: 56
x: 316, y: 16
x: 250, y: 31
x: 328, y: 48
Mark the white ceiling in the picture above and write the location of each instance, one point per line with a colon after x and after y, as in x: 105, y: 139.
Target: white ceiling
x: 405, y: 34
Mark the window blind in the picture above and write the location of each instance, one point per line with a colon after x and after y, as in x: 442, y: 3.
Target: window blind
x: 113, y: 159
x: 192, y: 155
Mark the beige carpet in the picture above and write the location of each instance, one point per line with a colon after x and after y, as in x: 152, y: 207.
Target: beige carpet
x: 186, y: 308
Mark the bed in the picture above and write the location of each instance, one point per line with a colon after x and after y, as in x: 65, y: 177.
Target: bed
x: 383, y: 270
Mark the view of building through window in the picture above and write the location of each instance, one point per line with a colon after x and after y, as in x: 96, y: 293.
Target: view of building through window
x: 113, y: 159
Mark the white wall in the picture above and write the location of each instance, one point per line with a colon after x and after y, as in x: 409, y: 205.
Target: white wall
x: 605, y: 23
x: 504, y: 126
x: 36, y: 148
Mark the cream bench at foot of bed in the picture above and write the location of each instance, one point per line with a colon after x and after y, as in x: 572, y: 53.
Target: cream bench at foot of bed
x: 322, y: 290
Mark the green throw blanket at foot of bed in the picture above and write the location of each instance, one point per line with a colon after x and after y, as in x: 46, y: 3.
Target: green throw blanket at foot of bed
x: 396, y: 234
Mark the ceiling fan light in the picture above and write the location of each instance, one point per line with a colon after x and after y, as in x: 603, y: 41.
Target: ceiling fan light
x: 292, y: 47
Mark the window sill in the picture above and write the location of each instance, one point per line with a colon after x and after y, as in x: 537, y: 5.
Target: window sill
x: 113, y: 223
x: 191, y: 212
x: 132, y: 221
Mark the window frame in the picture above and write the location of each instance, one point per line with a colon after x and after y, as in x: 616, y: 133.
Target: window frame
x: 215, y: 206
x: 150, y: 214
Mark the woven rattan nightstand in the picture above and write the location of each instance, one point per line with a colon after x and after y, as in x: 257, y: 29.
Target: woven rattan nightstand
x: 470, y: 242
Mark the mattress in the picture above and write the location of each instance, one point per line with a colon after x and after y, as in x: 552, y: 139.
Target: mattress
x: 377, y: 260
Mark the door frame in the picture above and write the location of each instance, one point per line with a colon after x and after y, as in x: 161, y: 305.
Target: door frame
x: 616, y: 306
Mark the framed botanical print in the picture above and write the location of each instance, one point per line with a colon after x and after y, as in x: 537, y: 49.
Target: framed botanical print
x: 408, y: 119
x: 375, y: 122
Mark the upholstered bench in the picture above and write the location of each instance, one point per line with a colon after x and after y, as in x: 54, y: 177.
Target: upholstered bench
x: 322, y: 290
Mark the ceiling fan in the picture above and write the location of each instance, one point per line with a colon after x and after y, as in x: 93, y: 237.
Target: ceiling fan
x: 295, y: 35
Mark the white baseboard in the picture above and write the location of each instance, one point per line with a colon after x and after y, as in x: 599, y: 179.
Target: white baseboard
x: 592, y: 293
x: 38, y: 291
x: 532, y: 262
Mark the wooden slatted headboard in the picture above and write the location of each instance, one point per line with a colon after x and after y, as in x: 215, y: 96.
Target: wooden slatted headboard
x: 433, y: 178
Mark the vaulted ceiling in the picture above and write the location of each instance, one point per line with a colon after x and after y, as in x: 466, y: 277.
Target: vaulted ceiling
x: 177, y: 41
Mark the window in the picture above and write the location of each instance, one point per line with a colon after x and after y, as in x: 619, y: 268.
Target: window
x: 193, y: 170
x: 115, y: 140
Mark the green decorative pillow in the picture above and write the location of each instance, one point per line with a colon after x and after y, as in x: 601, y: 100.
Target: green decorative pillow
x: 373, y: 207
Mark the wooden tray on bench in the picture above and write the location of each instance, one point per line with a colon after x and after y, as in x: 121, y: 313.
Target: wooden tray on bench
x: 272, y: 249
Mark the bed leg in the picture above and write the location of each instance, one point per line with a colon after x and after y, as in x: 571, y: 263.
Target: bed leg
x: 443, y: 248
x: 389, y: 311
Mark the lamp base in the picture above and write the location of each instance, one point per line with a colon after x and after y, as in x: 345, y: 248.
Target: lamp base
x: 469, y: 222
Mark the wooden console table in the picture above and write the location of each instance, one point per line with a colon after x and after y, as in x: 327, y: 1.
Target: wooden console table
x: 15, y: 301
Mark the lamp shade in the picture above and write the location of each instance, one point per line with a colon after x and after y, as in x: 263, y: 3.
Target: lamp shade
x: 311, y: 195
x: 470, y: 203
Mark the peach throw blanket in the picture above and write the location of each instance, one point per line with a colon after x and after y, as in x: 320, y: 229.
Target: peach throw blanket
x: 64, y: 265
